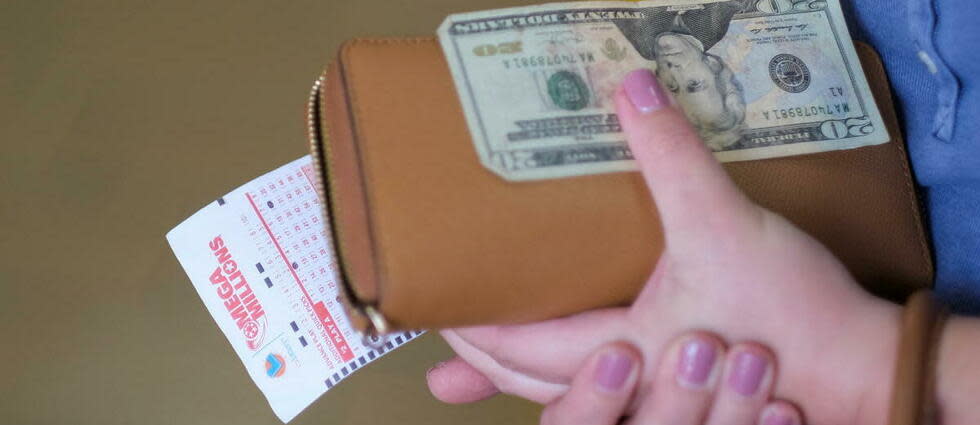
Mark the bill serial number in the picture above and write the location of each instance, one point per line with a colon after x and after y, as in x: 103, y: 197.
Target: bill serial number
x: 548, y: 60
x: 830, y: 109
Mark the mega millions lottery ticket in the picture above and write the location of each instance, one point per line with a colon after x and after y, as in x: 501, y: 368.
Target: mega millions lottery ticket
x: 260, y: 258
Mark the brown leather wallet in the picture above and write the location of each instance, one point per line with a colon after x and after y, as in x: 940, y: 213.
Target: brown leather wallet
x: 429, y: 238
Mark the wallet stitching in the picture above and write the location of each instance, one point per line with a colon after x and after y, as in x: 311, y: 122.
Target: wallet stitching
x: 913, y: 202
x: 392, y: 40
x: 906, y: 172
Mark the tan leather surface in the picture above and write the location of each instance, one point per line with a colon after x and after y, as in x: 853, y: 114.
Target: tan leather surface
x: 456, y: 245
x: 351, y: 206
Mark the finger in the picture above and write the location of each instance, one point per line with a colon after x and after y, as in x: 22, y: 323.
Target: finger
x: 506, y: 380
x: 689, y: 186
x: 551, y: 350
x: 455, y: 381
x: 745, y: 387
x: 601, y: 390
x: 685, y: 382
x: 780, y: 412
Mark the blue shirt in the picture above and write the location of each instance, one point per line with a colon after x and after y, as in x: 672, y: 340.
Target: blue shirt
x: 931, y: 51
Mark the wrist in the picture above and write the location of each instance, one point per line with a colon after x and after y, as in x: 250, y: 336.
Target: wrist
x: 957, y: 376
x: 877, y: 358
x: 843, y: 372
x: 845, y: 376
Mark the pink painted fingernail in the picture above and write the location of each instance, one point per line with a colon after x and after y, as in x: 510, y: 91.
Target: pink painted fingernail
x: 747, y: 374
x: 697, y: 359
x: 612, y: 371
x: 644, y: 92
x: 775, y: 417
x: 434, y: 367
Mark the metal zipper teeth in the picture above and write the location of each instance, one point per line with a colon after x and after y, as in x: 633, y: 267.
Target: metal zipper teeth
x: 376, y: 335
x: 320, y: 148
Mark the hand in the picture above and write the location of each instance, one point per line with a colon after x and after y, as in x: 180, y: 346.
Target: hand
x: 729, y: 266
x: 700, y: 383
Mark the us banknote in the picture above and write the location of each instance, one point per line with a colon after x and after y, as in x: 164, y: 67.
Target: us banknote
x: 757, y: 79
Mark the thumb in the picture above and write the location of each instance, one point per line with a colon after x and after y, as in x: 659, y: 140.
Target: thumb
x: 693, y: 193
x: 455, y: 381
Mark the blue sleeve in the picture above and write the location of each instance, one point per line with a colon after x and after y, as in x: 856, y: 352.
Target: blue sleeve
x: 931, y: 51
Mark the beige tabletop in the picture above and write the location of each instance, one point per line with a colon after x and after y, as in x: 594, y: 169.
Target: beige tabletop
x: 119, y: 120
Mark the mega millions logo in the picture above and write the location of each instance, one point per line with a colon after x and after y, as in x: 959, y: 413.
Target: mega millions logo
x: 275, y: 365
x: 237, y: 296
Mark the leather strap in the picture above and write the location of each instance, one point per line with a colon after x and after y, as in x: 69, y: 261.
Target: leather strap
x: 913, y: 394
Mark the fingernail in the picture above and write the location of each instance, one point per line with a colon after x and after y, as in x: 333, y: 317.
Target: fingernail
x: 747, y: 373
x: 612, y: 371
x: 775, y: 417
x: 697, y: 359
x: 434, y: 367
x: 644, y: 92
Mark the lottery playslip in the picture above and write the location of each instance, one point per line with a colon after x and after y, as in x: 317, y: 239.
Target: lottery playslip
x: 260, y: 259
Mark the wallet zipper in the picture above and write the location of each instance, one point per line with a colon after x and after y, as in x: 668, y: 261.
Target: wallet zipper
x: 375, y: 334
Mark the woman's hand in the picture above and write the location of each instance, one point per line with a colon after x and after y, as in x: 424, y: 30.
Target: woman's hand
x: 730, y: 267
x: 702, y: 382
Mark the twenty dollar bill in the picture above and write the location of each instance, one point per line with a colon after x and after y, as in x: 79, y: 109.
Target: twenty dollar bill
x: 757, y: 79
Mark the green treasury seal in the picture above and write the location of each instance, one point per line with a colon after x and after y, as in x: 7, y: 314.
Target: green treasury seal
x: 568, y: 90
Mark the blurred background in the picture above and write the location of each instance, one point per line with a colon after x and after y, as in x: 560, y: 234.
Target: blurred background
x: 121, y: 119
